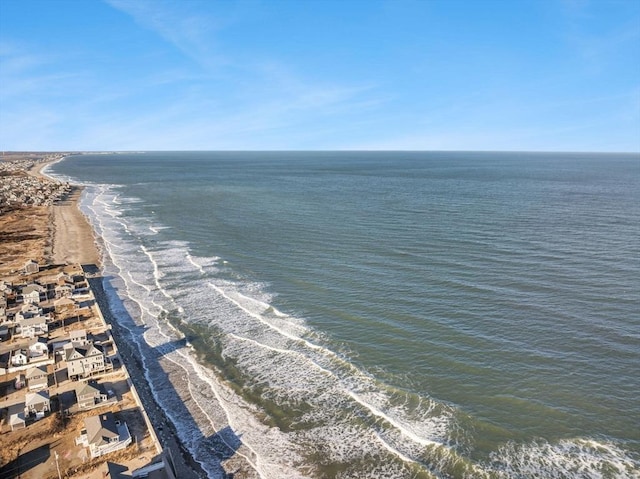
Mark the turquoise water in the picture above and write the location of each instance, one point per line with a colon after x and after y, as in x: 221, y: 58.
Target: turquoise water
x: 385, y: 314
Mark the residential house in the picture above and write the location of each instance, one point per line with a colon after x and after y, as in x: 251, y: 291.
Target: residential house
x: 63, y: 278
x: 28, y: 310
x: 37, y: 378
x: 31, y: 267
x: 37, y: 404
x: 90, y: 394
x: 83, y: 361
x: 34, y: 293
x: 3, y: 308
x: 38, y: 349
x: 104, y: 434
x: 63, y: 291
x: 32, y: 327
x: 16, y: 417
x: 19, y: 357
x: 78, y: 337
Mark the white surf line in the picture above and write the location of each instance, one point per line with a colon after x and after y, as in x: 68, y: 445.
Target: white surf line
x: 261, y: 319
x: 410, y: 434
x: 285, y: 351
x: 192, y: 261
x: 156, y: 274
x: 147, y: 372
x: 196, y: 368
x: 375, y: 411
x: 394, y: 451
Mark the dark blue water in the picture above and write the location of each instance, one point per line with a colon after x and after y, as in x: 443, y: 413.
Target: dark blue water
x: 385, y: 314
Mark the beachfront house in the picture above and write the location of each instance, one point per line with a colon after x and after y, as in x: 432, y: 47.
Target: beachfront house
x: 90, y: 394
x: 37, y: 404
x: 32, y: 327
x: 37, y: 378
x: 104, y: 434
x: 84, y: 361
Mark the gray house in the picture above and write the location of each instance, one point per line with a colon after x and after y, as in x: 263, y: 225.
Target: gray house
x: 104, y: 434
x: 37, y: 404
x: 37, y: 378
x: 90, y: 394
x: 16, y: 417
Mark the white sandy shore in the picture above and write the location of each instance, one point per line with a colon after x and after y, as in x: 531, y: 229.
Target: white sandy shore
x: 72, y: 236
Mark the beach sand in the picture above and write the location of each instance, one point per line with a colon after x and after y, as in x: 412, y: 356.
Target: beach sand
x: 72, y: 238
x: 73, y: 241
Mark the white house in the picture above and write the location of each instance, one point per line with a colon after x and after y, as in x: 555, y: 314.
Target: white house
x: 28, y: 310
x: 32, y: 327
x: 85, y: 360
x: 19, y: 357
x: 38, y: 349
x: 78, y: 337
x: 33, y: 293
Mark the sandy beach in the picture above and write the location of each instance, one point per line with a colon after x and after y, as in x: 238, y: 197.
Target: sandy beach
x: 72, y: 238
x: 73, y: 242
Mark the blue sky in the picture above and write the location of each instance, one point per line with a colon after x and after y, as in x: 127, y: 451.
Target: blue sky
x: 544, y: 75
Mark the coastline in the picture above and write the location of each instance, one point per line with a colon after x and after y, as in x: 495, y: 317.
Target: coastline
x: 72, y: 240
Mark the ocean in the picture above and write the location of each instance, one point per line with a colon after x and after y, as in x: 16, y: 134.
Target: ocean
x: 381, y: 314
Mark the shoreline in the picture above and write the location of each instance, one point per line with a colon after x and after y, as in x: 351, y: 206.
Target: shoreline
x: 71, y: 237
x: 72, y: 240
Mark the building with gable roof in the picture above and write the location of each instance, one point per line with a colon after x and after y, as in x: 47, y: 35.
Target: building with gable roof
x: 37, y: 404
x: 84, y: 360
x: 104, y: 434
x: 37, y: 378
x: 90, y: 394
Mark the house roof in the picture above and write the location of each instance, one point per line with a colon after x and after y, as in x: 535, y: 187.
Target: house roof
x: 36, y: 372
x: 16, y: 414
x: 64, y: 301
x: 33, y: 287
x: 78, y: 333
x: 101, y: 429
x: 33, y: 399
x: 85, y: 351
x: 90, y: 388
x: 42, y: 341
x: 32, y: 321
